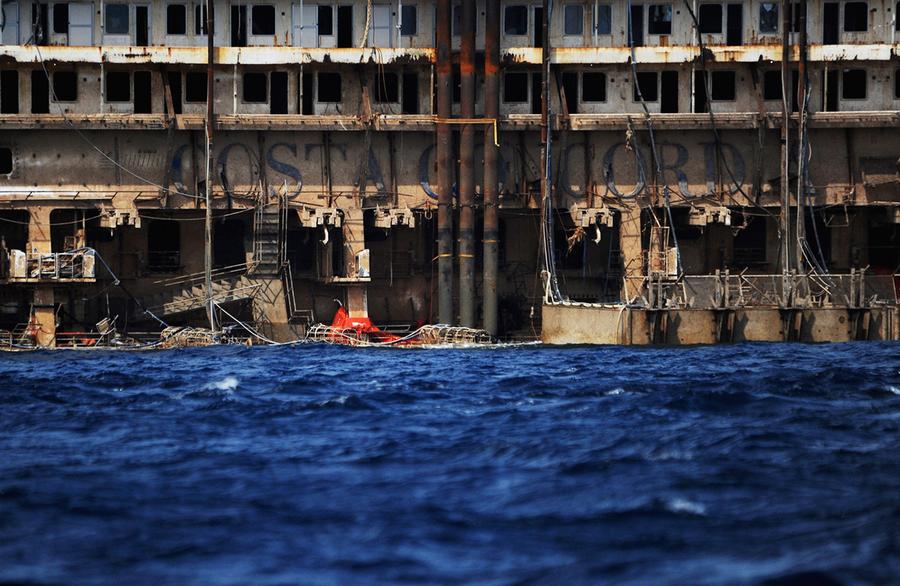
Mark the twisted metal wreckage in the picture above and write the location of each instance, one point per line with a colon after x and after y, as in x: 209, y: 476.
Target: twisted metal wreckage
x: 588, y: 172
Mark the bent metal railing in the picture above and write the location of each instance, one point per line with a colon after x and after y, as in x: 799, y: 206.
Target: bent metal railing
x: 725, y: 290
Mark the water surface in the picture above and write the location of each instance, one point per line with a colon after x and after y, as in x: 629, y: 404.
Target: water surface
x: 739, y: 464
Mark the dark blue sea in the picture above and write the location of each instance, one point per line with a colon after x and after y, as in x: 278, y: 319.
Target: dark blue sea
x: 747, y: 464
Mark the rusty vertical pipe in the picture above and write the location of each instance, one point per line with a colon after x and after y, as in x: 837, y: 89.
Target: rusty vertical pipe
x: 785, y: 152
x: 491, y: 161
x: 444, y: 164
x: 467, y: 166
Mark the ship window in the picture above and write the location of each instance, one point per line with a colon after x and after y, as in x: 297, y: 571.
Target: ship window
x: 387, y: 90
x: 176, y: 19
x: 772, y: 85
x: 408, y: 21
x: 603, y: 19
x: 574, y: 19
x: 255, y: 88
x: 515, y: 88
x: 65, y: 86
x: 61, y: 18
x: 660, y: 22
x: 723, y: 85
x: 118, y: 86
x: 896, y: 19
x: 710, y: 18
x: 515, y: 20
x: 326, y: 20
x: 455, y: 16
x: 9, y: 92
x: 329, y: 88
x: 646, y: 83
x: 6, y: 161
x: 200, y: 19
x: 116, y: 22
x: 593, y: 87
x: 854, y: 84
x: 795, y: 17
x: 195, y: 86
x: 768, y: 17
x: 856, y: 17
x: 897, y: 85
x: 263, y: 20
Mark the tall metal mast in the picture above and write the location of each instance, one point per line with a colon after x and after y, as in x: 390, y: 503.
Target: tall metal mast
x: 207, y: 257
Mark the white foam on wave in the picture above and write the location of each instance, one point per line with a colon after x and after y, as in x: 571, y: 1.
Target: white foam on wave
x: 615, y: 391
x: 229, y: 383
x: 680, y: 505
x: 893, y: 389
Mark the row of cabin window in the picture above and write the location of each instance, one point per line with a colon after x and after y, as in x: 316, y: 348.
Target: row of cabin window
x: 516, y: 87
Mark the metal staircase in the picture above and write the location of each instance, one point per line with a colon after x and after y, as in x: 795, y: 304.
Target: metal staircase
x: 187, y: 293
x: 269, y: 240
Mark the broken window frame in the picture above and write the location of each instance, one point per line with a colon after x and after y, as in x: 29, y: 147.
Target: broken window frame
x: 844, y: 8
x: 584, y: 84
x: 774, y: 9
x: 184, y: 23
x: 106, y: 92
x: 605, y: 20
x: 54, y: 94
x: 245, y: 85
x: 526, y: 87
x: 865, y: 86
x: 406, y: 29
x: 340, y: 88
x: 579, y: 21
x: 252, y: 17
x: 665, y: 10
x: 106, y: 14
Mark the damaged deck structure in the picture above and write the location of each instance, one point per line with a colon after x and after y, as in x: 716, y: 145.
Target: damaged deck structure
x: 717, y: 170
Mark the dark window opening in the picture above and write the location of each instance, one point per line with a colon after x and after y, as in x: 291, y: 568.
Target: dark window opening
x: 326, y: 20
x: 515, y: 20
x: 456, y: 81
x: 410, y: 103
x: 263, y: 20
x: 515, y: 88
x: 659, y: 19
x: 772, y: 85
x: 255, y: 88
x: 768, y: 17
x: 65, y: 86
x: 200, y: 20
x: 536, y: 94
x: 195, y: 86
x: 570, y: 89
x: 174, y: 81
x: 116, y: 19
x: 796, y: 12
x: 387, y: 88
x: 897, y: 84
x: 636, y: 26
x: 176, y: 19
x: 668, y: 102
x: 538, y: 37
x: 896, y: 18
x: 734, y: 34
x: 856, y: 17
x: 854, y: 84
x: 603, y: 19
x: 238, y: 26
x: 593, y: 87
x: 163, y: 246
x: 61, y: 18
x: 329, y: 88
x: 228, y: 243
x: 573, y: 19
x: 710, y: 18
x: 141, y: 26
x: 9, y: 92
x: 345, y: 27
x: 306, y: 94
x: 831, y: 91
x: 39, y: 16
x: 646, y: 87
x: 40, y: 92
x: 818, y: 235
x: 279, y: 80
x: 455, y: 16
x: 6, y: 161
x: 724, y: 85
x: 749, y: 245
x: 408, y: 21
x: 701, y: 103
x: 143, y: 92
x: 118, y: 86
x: 830, y: 25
